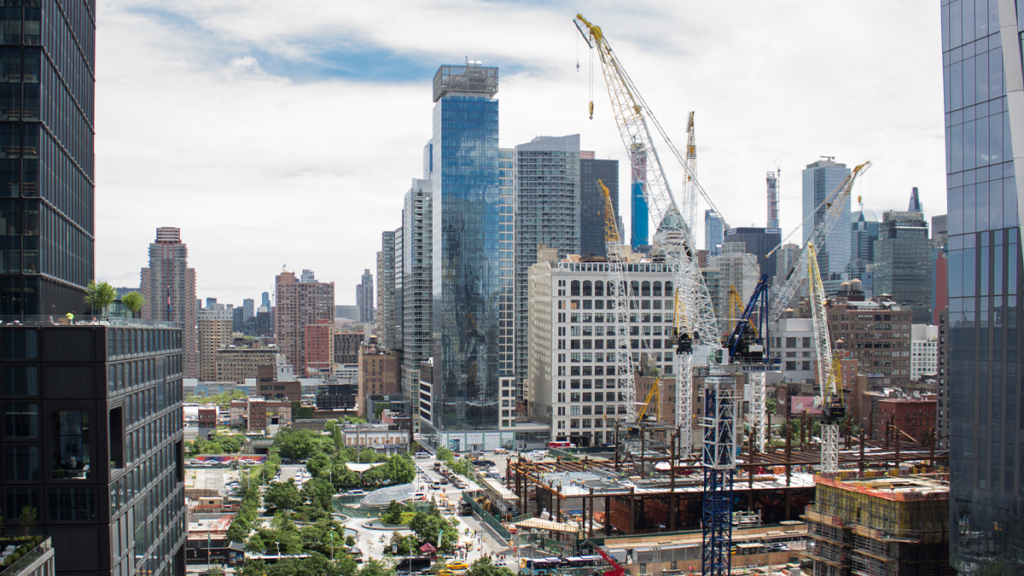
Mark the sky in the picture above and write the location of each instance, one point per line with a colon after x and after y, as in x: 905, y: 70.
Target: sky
x: 284, y: 135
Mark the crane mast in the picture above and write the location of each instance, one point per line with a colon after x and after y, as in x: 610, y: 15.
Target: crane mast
x: 828, y: 398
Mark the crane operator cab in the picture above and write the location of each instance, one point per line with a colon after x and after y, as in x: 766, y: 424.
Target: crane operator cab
x: 749, y: 349
x: 684, y: 342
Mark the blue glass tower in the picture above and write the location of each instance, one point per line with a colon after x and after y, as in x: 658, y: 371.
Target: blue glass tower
x: 639, y: 213
x: 472, y: 226
x: 984, y: 105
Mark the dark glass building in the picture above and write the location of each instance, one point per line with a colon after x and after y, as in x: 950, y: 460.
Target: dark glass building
x: 759, y: 242
x: 92, y: 439
x: 981, y: 66
x: 592, y: 203
x: 472, y: 222
x: 47, y: 81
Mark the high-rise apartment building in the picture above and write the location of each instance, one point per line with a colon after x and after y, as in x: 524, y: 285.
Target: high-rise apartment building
x: 300, y: 304
x: 875, y: 332
x: 47, y: 166
x: 640, y: 216
x: 214, y: 334
x: 93, y: 441
x: 319, y: 347
x: 714, y: 233
x: 863, y: 236
x: 592, y: 204
x: 819, y: 180
x: 924, y: 351
x: 982, y: 77
x: 547, y: 212
x: 472, y: 224
x: 386, y: 291
x: 417, y: 296
x: 398, y: 270
x: 248, y: 308
x: 364, y: 297
x: 904, y: 267
x: 169, y: 292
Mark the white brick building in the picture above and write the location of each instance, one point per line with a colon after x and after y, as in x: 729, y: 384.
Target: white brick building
x: 924, y: 350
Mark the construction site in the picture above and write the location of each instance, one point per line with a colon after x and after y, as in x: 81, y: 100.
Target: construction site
x: 890, y: 526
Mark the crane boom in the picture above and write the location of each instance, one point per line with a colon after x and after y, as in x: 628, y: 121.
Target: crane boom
x: 834, y: 213
x: 634, y: 120
x: 617, y: 273
x: 829, y: 375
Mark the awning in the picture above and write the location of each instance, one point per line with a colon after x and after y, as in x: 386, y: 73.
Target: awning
x: 538, y: 524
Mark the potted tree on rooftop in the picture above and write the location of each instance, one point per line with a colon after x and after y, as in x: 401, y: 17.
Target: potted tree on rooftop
x: 99, y: 296
x: 133, y: 301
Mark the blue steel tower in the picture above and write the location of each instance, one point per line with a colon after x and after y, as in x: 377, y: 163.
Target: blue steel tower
x: 472, y: 230
x: 984, y: 106
x: 639, y: 213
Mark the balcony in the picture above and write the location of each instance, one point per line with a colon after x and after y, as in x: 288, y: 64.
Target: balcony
x: 25, y: 556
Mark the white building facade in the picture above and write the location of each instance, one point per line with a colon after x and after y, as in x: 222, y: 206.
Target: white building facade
x: 924, y: 350
x: 572, y: 342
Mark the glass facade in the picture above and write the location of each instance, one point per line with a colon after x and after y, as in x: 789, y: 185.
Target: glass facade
x: 93, y: 440
x: 714, y: 233
x: 819, y: 180
x: 472, y: 227
x: 417, y: 320
x: 592, y: 203
x: 986, y: 431
x: 47, y: 79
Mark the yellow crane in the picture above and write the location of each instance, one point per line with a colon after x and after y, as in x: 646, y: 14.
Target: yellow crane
x: 830, y: 383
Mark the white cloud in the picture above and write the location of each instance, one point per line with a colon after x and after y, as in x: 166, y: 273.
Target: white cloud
x: 195, y: 129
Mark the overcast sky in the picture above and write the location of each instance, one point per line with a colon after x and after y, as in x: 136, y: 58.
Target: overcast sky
x: 287, y: 133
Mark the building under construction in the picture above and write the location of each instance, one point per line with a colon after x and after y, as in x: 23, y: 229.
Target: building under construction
x: 888, y: 526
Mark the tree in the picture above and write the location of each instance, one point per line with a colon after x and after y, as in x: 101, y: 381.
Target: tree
x: 99, y: 296
x: 393, y: 513
x: 428, y: 526
x: 318, y: 492
x: 484, y: 567
x: 374, y: 567
x: 239, y: 529
x: 255, y: 544
x: 771, y: 404
x: 133, y: 301
x: 343, y: 476
x: 299, y: 444
x: 283, y: 495
x: 400, y: 469
x: 27, y: 519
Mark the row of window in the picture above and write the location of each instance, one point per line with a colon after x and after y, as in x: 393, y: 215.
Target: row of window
x: 577, y: 423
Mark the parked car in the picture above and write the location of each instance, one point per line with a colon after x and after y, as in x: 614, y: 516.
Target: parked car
x: 458, y: 565
x: 421, y: 455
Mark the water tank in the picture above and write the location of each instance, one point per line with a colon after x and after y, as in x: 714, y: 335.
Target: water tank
x: 856, y: 285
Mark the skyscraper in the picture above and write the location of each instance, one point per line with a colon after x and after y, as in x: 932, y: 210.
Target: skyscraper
x: 46, y: 168
x: 364, y: 297
x: 169, y: 290
x: 471, y: 221
x: 819, y: 180
x: 215, y: 324
x: 248, y: 308
x: 982, y: 77
x: 915, y: 202
x: 399, y: 273
x: 759, y: 242
x: 904, y: 266
x: 266, y: 300
x: 417, y: 296
x: 863, y: 236
x: 386, y: 291
x: 714, y: 233
x: 640, y: 216
x: 773, y: 199
x: 547, y: 211
x: 592, y: 201
x: 300, y: 304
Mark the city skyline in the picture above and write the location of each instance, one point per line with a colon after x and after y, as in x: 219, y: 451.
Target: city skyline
x: 864, y: 105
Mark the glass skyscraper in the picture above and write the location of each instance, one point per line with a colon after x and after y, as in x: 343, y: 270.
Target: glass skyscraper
x: 47, y: 81
x: 472, y: 231
x: 982, y: 79
x: 714, y: 233
x: 819, y: 180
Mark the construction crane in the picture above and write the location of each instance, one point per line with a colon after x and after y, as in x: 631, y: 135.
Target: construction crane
x: 682, y: 369
x: 653, y: 396
x: 617, y: 273
x: 829, y: 398
x: 635, y: 122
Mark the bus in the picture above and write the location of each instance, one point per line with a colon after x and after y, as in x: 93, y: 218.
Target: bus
x: 583, y: 561
x: 539, y: 566
x: 413, y: 564
x: 561, y: 445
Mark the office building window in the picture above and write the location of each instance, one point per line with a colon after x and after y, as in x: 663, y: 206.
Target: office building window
x: 72, y: 504
x: 21, y: 420
x: 21, y: 463
x: 21, y: 380
x: 71, y: 445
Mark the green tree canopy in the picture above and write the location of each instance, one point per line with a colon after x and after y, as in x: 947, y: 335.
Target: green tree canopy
x: 484, y: 567
x: 133, y: 301
x: 99, y: 296
x: 400, y: 469
x: 283, y: 495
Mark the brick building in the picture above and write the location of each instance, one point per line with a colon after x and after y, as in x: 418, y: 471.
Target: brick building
x: 258, y: 415
x: 379, y: 370
x: 914, y: 416
x: 300, y: 303
x: 237, y: 364
x: 876, y: 333
x: 319, y: 348
x: 346, y: 347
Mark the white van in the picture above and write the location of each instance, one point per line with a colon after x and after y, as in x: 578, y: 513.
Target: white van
x: 436, y: 485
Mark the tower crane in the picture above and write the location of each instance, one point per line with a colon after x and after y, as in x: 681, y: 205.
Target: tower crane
x: 617, y: 272
x: 829, y: 398
x: 635, y: 123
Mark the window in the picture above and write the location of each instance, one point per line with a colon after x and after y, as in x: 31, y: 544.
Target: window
x: 17, y: 498
x: 21, y: 463
x: 21, y: 381
x: 72, y: 504
x: 21, y: 420
x: 71, y: 445
x: 20, y: 344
